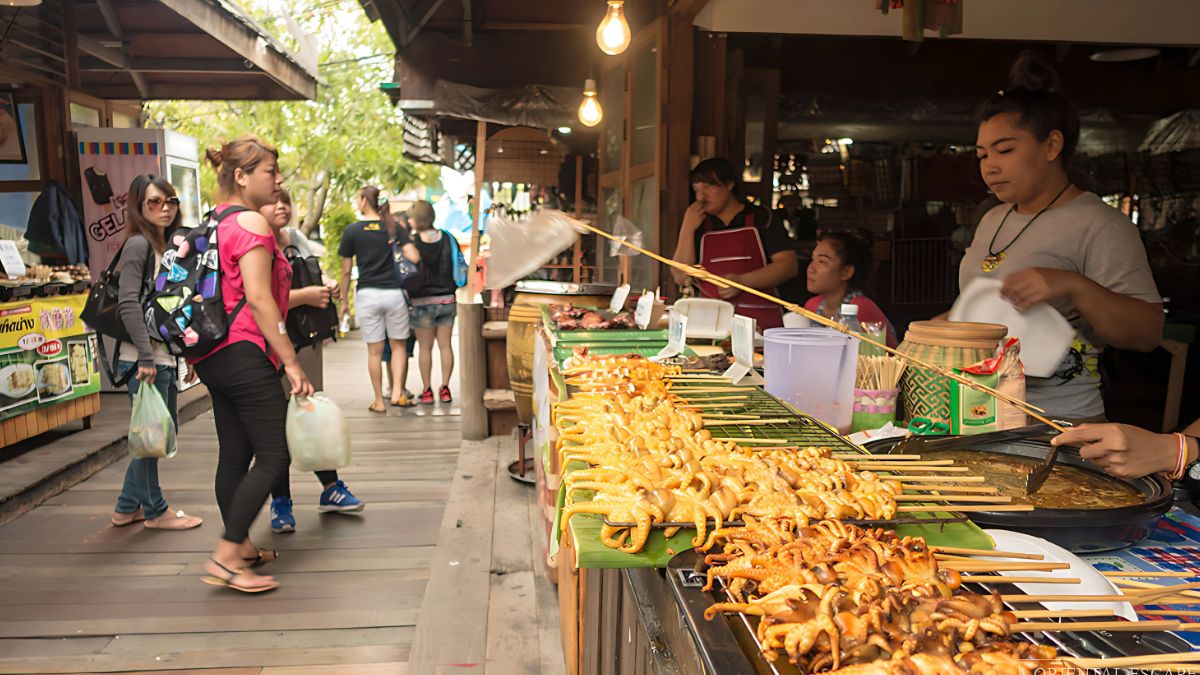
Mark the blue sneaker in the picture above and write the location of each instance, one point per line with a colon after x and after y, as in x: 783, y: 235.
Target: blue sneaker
x: 281, y: 515
x: 338, y: 498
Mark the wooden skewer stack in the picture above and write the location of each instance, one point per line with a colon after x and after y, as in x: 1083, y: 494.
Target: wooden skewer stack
x: 878, y: 373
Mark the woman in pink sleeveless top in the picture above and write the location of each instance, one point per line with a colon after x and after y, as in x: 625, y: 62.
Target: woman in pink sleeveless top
x: 242, y: 373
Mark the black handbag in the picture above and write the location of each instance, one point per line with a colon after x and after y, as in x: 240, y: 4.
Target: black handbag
x: 308, y: 325
x: 100, y: 311
x: 408, y: 275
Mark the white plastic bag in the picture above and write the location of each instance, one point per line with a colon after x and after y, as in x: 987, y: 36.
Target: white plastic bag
x: 151, y: 429
x: 520, y: 247
x: 317, y: 434
x: 624, y: 229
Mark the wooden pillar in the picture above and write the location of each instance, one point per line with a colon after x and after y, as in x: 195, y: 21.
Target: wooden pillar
x: 681, y: 86
x: 473, y: 364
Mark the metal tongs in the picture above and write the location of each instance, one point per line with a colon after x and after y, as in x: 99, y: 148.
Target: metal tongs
x: 917, y: 444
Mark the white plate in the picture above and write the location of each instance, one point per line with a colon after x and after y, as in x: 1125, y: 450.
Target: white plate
x: 1092, y: 582
x: 7, y: 371
x: 43, y: 381
x: 1045, y: 335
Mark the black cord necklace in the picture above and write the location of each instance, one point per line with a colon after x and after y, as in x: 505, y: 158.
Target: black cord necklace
x: 994, y: 258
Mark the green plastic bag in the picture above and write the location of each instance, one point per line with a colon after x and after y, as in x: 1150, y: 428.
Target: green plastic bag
x: 151, y: 429
x: 317, y: 434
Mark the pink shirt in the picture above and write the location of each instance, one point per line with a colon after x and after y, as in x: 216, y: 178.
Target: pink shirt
x: 233, y: 242
x: 868, y: 312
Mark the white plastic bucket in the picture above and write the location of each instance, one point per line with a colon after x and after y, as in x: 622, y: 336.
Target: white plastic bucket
x: 813, y: 369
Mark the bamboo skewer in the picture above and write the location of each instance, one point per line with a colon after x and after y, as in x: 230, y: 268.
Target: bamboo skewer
x: 917, y: 479
x: 1149, y: 575
x: 707, y: 390
x: 987, y: 489
x: 975, y: 499
x: 705, y: 406
x: 1168, y: 612
x: 703, y: 274
x: 707, y: 399
x: 865, y: 457
x: 1063, y: 598
x: 996, y: 554
x: 1077, y: 626
x: 759, y: 422
x: 1001, y: 566
x: 1061, y: 614
x: 1143, y: 589
x: 905, y: 467
x: 988, y: 579
x: 747, y: 440
x: 964, y: 509
x: 906, y: 464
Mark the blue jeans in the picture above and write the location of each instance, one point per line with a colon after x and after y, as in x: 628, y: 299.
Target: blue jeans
x: 141, y: 476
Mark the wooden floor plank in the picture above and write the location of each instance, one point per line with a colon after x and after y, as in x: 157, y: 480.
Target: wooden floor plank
x: 93, y: 598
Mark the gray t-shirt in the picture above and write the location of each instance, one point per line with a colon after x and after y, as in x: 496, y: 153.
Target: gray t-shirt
x: 1085, y: 236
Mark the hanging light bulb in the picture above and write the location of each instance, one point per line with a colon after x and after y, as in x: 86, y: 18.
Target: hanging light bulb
x: 590, y: 112
x: 613, y: 34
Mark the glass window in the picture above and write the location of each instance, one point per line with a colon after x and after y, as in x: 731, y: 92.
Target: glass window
x: 645, y: 103
x: 610, y: 209
x: 645, y: 217
x: 756, y: 111
x: 122, y: 120
x: 82, y: 115
x: 15, y: 207
x: 30, y: 170
x: 612, y: 100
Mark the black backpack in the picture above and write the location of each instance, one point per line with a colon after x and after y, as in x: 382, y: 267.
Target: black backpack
x: 185, y: 309
x: 308, y: 325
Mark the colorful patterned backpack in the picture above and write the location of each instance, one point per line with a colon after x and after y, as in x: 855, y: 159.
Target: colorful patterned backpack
x: 184, y: 309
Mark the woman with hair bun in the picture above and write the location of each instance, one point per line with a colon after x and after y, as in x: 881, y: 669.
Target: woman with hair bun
x: 242, y: 373
x: 1050, y: 241
x: 838, y: 274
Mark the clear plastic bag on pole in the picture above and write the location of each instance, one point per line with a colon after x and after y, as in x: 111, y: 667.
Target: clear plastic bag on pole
x: 317, y: 434
x: 151, y: 429
x: 520, y: 247
x: 624, y: 229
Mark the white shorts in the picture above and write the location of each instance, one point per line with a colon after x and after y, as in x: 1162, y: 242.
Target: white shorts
x: 382, y: 314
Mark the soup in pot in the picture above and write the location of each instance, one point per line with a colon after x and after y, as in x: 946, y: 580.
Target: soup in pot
x: 1067, y: 487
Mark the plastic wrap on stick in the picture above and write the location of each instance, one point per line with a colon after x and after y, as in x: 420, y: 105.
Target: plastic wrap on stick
x: 520, y: 247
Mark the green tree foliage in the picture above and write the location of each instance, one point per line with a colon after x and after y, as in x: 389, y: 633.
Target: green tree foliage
x: 351, y: 130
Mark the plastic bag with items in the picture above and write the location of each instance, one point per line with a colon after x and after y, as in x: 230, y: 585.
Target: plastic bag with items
x: 520, y: 247
x: 317, y: 434
x: 151, y: 429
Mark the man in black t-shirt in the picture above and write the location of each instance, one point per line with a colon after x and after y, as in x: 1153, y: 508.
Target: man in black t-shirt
x: 736, y: 240
x: 379, y: 304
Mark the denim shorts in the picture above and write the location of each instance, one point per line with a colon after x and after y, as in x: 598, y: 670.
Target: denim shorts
x: 431, y: 316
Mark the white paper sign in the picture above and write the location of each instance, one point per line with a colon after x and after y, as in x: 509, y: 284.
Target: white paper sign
x: 645, y: 308
x: 10, y: 257
x: 742, y: 371
x: 677, y: 338
x: 618, y: 299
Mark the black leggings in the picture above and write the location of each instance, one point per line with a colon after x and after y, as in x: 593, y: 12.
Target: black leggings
x: 283, y: 486
x: 250, y: 409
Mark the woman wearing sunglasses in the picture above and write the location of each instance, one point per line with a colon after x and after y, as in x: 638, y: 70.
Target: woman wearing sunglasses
x: 152, y: 213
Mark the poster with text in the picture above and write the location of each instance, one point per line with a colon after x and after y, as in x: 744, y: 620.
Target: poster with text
x: 107, y: 167
x: 47, y: 354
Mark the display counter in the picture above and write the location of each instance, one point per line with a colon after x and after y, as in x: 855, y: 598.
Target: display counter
x: 48, y: 374
x: 643, y: 611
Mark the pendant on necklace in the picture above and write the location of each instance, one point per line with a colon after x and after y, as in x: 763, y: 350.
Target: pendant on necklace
x: 991, y: 262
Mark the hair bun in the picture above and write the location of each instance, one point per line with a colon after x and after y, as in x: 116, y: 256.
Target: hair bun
x: 1031, y: 73
x: 214, y: 157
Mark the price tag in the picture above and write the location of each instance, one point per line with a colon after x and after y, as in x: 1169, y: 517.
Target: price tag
x: 10, y: 257
x: 645, y: 308
x: 618, y: 299
x: 742, y: 371
x: 677, y: 338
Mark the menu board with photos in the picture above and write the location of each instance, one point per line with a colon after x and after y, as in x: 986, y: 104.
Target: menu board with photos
x: 47, y: 354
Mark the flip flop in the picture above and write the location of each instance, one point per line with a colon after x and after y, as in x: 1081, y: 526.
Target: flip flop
x: 178, y: 515
x: 259, y: 559
x: 138, y: 516
x: 229, y: 582
x: 371, y: 408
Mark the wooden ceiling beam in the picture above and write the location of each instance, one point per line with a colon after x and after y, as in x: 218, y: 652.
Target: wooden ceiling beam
x: 532, y: 25
x: 114, y: 27
x: 172, y: 65
x: 423, y: 14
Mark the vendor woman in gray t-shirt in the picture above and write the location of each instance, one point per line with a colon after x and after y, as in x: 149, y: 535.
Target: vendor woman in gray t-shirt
x: 1053, y: 242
